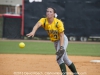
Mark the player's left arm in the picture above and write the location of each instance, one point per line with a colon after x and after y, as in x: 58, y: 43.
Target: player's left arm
x: 61, y: 39
x: 61, y: 35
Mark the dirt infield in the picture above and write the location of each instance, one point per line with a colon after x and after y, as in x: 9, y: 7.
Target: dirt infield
x: 26, y: 64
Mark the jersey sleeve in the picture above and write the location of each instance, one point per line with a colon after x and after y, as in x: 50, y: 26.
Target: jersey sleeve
x: 42, y: 21
x: 60, y: 26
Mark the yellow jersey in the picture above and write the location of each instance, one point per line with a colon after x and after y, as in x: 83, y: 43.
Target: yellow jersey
x: 54, y: 29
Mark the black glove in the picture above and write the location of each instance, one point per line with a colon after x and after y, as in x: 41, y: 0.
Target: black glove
x: 60, y: 52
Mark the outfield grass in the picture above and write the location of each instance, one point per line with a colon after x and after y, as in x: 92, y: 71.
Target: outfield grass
x: 11, y: 47
x: 84, y: 49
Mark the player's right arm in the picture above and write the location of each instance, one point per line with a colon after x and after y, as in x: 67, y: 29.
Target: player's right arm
x: 32, y: 33
x: 37, y: 25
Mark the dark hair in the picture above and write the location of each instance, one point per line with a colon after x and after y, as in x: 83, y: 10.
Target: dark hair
x: 53, y: 9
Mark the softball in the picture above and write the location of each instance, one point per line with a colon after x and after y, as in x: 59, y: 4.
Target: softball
x: 21, y: 44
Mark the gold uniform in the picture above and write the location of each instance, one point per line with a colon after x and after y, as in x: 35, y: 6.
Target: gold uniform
x: 53, y: 29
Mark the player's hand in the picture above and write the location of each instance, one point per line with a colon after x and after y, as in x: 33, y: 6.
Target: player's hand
x: 31, y: 34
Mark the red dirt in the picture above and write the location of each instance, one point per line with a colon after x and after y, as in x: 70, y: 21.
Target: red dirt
x: 28, y: 64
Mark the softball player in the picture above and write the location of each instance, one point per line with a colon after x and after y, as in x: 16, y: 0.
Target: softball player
x: 55, y: 30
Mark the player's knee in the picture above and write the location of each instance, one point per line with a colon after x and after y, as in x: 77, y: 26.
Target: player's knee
x: 67, y: 62
x: 60, y: 61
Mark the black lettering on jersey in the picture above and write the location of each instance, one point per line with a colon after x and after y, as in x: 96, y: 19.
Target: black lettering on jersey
x: 52, y: 32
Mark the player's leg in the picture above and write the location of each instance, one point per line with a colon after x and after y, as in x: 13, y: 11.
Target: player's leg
x: 64, y: 59
x: 70, y: 64
x: 67, y: 61
x: 60, y: 61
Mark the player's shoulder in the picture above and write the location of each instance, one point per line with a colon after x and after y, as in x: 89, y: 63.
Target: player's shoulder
x: 42, y: 20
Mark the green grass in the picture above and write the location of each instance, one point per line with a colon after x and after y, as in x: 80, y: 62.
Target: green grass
x: 11, y: 47
x: 30, y: 48
x: 84, y: 49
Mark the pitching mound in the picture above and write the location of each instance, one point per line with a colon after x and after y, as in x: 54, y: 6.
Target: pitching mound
x: 26, y: 64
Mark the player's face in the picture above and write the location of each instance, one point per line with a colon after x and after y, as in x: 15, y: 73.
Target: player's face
x: 50, y: 13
